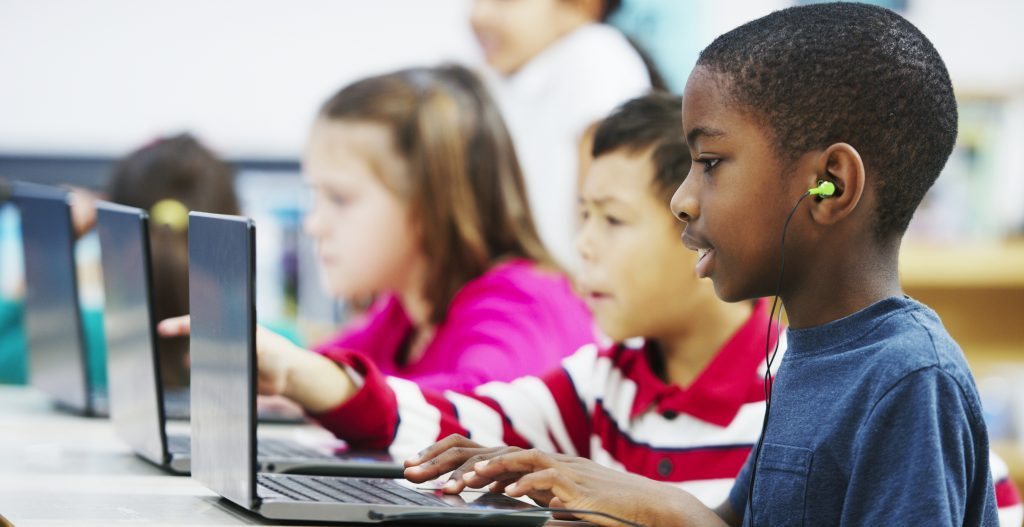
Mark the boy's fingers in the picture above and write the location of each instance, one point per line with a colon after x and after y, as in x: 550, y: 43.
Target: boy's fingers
x: 174, y: 327
x: 432, y: 451
x: 521, y: 461
x: 457, y: 460
x: 453, y: 486
x: 466, y: 468
x: 500, y: 484
x: 541, y: 481
x: 416, y: 474
x: 474, y: 481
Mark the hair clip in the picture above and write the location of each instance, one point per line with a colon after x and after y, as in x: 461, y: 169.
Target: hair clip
x: 170, y: 212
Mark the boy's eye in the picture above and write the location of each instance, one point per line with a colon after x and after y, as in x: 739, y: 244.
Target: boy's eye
x: 612, y: 220
x: 709, y: 164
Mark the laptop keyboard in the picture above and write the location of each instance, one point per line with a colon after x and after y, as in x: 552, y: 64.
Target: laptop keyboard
x: 276, y: 448
x: 265, y: 448
x: 346, y: 490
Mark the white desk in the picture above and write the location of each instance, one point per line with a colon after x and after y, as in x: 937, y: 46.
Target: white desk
x: 60, y: 469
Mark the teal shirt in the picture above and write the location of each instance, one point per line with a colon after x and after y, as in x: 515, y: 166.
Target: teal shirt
x: 12, y: 343
x: 13, y: 347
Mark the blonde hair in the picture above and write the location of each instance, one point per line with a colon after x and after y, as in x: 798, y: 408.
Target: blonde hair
x: 464, y: 185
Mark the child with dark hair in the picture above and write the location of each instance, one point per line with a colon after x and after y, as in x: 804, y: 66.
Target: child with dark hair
x: 168, y: 178
x: 874, y: 418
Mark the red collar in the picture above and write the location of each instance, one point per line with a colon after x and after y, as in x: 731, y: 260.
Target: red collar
x: 717, y: 394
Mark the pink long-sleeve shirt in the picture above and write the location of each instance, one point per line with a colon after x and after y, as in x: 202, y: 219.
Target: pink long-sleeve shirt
x: 514, y: 320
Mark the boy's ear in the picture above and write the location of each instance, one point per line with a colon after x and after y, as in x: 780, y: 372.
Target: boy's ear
x: 841, y: 164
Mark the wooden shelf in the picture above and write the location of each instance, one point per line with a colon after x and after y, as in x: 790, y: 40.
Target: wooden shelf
x: 978, y: 291
x: 974, y: 265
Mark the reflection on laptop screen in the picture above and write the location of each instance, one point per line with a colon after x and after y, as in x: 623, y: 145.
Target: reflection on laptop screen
x: 57, y: 360
x: 221, y: 300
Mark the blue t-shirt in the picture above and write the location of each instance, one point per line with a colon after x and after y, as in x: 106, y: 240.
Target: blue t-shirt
x: 875, y: 420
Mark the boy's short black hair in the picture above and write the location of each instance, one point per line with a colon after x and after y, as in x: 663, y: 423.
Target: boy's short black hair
x: 651, y: 121
x: 842, y: 72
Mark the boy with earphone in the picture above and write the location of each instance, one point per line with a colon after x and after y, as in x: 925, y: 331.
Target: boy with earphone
x: 874, y: 418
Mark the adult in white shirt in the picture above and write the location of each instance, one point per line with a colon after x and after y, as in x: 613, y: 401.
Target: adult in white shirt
x: 555, y: 69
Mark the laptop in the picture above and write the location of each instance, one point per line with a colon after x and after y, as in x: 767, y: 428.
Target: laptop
x: 224, y: 252
x: 58, y: 356
x: 138, y: 405
x: 137, y: 402
x: 224, y: 445
x: 129, y: 323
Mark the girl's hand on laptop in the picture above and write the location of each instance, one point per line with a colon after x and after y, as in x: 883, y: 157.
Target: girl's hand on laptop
x: 174, y: 327
x: 313, y: 381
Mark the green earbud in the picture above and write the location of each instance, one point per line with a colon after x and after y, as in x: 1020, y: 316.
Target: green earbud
x: 823, y: 190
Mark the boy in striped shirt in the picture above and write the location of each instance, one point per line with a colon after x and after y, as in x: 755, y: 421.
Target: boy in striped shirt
x: 682, y: 402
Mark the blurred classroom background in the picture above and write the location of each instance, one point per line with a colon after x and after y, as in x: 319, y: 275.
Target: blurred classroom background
x: 86, y: 82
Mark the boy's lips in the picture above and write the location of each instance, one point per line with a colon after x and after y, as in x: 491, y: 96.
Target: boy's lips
x: 705, y: 252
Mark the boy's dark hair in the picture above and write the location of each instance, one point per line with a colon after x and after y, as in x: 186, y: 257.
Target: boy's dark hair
x: 854, y: 73
x: 652, y: 121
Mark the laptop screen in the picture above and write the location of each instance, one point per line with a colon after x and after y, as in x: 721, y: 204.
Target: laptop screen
x: 53, y: 327
x: 221, y: 259
x: 132, y: 366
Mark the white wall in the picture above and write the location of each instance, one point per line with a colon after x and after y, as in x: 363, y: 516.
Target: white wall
x: 980, y: 40
x: 103, y: 76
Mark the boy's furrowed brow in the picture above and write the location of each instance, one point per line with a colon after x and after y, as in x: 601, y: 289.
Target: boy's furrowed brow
x: 699, y: 132
x: 604, y: 200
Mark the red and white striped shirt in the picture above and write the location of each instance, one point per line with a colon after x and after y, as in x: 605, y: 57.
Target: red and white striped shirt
x: 607, y: 405
x: 604, y: 404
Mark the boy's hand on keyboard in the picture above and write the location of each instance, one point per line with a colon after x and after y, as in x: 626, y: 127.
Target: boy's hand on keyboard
x: 570, y: 482
x: 553, y: 480
x: 455, y: 454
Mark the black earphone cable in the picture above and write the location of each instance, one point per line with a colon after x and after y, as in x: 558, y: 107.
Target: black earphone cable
x: 770, y: 359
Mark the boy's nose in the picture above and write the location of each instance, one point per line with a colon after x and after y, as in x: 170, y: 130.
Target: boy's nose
x: 684, y: 201
x: 583, y: 245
